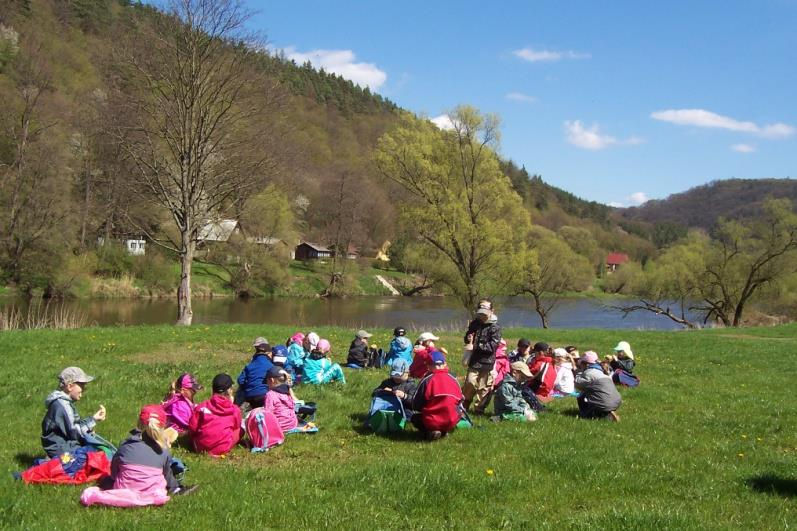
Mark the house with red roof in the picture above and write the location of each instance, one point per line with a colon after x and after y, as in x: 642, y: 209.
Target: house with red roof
x: 615, y: 260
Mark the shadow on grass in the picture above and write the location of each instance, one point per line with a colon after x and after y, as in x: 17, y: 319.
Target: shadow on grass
x: 25, y: 459
x: 572, y: 412
x: 408, y: 434
x: 773, y: 484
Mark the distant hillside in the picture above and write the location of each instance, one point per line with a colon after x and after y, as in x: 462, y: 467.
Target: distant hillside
x: 703, y: 205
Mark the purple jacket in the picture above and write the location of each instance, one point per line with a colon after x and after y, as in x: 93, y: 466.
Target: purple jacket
x: 178, y: 412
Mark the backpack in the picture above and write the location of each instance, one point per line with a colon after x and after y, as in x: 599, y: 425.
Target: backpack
x: 263, y: 430
x: 620, y: 377
x: 376, y: 358
x: 386, y: 414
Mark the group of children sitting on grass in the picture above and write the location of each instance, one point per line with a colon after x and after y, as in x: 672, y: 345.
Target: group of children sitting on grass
x: 419, y: 390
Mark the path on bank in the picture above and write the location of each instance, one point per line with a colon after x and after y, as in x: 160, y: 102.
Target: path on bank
x: 388, y: 285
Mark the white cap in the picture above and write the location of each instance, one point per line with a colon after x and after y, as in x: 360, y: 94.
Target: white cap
x: 427, y: 336
x: 623, y: 346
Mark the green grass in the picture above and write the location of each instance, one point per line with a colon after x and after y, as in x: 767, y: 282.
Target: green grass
x: 701, y: 441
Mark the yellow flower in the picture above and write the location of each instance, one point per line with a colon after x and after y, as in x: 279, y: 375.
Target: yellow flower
x: 490, y: 472
x: 740, y: 455
x: 744, y: 436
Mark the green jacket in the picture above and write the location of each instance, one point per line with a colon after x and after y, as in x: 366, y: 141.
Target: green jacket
x: 508, y: 397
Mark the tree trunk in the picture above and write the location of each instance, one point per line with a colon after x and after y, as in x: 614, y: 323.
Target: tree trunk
x: 540, y: 309
x: 184, y: 312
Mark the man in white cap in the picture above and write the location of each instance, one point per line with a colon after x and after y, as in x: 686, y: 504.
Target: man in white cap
x: 358, y: 351
x: 62, y: 428
x: 484, y: 334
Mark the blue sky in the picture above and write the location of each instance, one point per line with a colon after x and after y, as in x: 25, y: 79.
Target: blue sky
x: 614, y: 101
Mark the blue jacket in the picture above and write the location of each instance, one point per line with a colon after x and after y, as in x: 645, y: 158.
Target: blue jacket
x: 296, y: 355
x: 400, y: 347
x: 252, y: 377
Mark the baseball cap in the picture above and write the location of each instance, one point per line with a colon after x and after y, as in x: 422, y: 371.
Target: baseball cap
x: 438, y: 358
x: 362, y: 334
x: 400, y: 366
x: 72, y: 375
x: 279, y: 354
x: 559, y: 353
x: 275, y: 372
x: 541, y: 347
x: 484, y: 311
x: 399, y: 331
x: 152, y: 411
x: 187, y: 381
x: 522, y: 367
x: 260, y: 341
x: 590, y: 356
x: 427, y: 336
x: 222, y: 383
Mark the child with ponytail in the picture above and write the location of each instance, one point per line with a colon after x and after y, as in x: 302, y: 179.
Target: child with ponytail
x: 179, y: 402
x: 141, y: 469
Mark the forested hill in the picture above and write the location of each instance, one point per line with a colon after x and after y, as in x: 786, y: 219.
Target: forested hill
x: 703, y: 205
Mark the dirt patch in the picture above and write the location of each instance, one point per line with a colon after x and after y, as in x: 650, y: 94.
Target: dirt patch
x: 181, y: 353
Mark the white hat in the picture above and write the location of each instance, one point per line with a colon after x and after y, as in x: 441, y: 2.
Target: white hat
x: 559, y: 353
x: 623, y: 346
x: 427, y: 336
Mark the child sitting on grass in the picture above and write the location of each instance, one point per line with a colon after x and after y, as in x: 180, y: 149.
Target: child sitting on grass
x: 62, y: 428
x: 215, y: 426
x: 319, y: 369
x: 296, y: 353
x: 563, y: 386
x: 400, y: 347
x: 399, y: 384
x: 422, y: 354
x: 280, y: 400
x: 623, y: 358
x: 599, y: 397
x: 141, y: 469
x: 509, y: 401
x: 251, y: 381
x: 179, y: 402
x: 438, y: 400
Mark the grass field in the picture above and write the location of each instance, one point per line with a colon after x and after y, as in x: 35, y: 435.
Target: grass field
x: 707, y: 441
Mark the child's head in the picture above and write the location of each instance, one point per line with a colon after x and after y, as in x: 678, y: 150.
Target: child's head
x: 363, y: 335
x: 483, y: 314
x: 276, y: 376
x: 323, y: 346
x: 72, y: 382
x: 427, y: 339
x: 152, y: 421
x: 297, y: 338
x: 623, y: 350
x: 437, y: 360
x: 279, y: 355
x: 311, y: 341
x: 572, y: 351
x: 399, y: 331
x: 560, y: 356
x: 222, y: 385
x: 261, y: 345
x: 186, y: 385
x: 520, y: 371
x: 523, y: 346
x: 400, y: 371
x: 588, y: 358
x: 541, y: 349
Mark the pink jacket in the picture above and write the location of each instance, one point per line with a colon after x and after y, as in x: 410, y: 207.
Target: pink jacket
x: 501, y: 364
x: 282, y: 405
x: 215, y: 425
x: 134, y: 486
x: 178, y: 412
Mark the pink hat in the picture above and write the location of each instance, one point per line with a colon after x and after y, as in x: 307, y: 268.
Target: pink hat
x: 590, y: 357
x: 298, y: 337
x: 323, y: 345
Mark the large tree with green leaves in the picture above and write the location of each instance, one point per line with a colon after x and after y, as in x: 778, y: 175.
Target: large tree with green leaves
x: 468, y: 220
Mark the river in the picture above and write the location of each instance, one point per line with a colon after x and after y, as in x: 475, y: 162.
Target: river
x: 357, y: 312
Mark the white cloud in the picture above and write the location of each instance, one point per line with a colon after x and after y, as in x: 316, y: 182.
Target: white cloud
x: 615, y: 204
x: 635, y: 199
x: 703, y: 118
x: 443, y: 122
x: 342, y: 63
x: 743, y: 148
x: 519, y: 96
x: 592, y: 139
x: 536, y: 56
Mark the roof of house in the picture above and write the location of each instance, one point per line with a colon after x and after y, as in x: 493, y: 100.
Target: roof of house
x: 218, y: 230
x: 617, y: 258
x: 316, y: 247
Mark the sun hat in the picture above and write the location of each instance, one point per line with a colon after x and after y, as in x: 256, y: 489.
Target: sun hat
x: 222, y: 383
x: 260, y: 342
x: 72, y: 375
x: 559, y: 353
x: 323, y: 346
x: 187, y: 381
x: 400, y: 366
x: 362, y: 334
x: 623, y: 346
x: 152, y: 411
x: 438, y: 358
x: 427, y: 336
x: 590, y: 356
x: 522, y: 367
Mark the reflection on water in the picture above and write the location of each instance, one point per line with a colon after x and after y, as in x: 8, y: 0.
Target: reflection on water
x: 385, y: 312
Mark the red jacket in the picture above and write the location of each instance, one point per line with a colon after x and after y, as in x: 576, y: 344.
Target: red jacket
x: 548, y: 377
x: 421, y: 361
x: 215, y: 425
x: 438, y: 400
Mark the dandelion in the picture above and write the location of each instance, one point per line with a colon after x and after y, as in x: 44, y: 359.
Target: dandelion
x: 759, y: 439
x: 740, y: 455
x: 490, y: 472
x: 744, y: 436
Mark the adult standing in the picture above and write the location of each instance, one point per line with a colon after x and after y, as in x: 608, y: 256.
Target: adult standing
x: 485, y: 335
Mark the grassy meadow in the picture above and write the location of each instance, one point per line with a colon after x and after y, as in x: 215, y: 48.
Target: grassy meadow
x: 709, y: 440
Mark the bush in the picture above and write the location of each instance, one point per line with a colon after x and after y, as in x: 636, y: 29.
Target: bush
x: 113, y: 260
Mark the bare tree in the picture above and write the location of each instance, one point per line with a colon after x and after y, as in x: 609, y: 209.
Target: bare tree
x: 193, y: 93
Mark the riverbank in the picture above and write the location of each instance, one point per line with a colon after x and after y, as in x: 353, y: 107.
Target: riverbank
x: 707, y: 440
